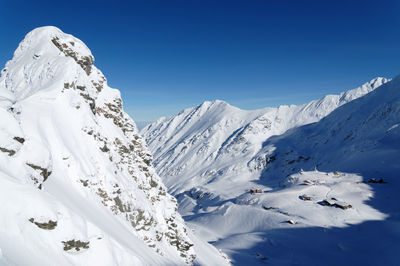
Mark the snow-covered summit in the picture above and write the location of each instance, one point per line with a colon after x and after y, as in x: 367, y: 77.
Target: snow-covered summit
x: 40, y: 40
x: 77, y: 184
x: 363, y: 89
x: 44, y: 61
x: 359, y: 137
x: 214, y: 139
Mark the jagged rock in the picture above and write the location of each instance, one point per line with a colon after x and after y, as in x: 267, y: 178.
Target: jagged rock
x: 19, y: 139
x: 100, y: 167
x: 50, y: 225
x: 10, y: 152
x: 75, y: 244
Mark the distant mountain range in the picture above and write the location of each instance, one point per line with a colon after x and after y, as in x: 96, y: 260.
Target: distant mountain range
x: 313, y: 184
x: 214, y: 140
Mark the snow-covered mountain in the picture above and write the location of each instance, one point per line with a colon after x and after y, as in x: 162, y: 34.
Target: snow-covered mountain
x: 214, y: 141
x: 290, y: 185
x: 77, y: 186
x: 362, y: 137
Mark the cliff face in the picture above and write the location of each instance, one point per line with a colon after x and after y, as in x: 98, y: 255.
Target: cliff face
x: 77, y: 182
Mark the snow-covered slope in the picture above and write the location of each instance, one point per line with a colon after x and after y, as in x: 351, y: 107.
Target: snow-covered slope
x: 77, y: 186
x: 362, y: 137
x: 282, y: 186
x: 214, y: 141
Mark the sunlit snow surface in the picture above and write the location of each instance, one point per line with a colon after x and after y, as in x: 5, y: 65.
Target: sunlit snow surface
x: 252, y: 224
x: 311, y: 164
x: 76, y: 182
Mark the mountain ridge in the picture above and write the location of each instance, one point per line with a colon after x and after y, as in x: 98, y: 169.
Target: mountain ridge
x: 313, y: 181
x: 75, y: 159
x: 168, y: 137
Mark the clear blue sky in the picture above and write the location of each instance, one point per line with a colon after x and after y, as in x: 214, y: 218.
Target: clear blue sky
x: 168, y: 55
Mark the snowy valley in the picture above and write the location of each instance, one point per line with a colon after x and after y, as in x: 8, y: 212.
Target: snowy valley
x: 314, y: 184
x: 311, y: 184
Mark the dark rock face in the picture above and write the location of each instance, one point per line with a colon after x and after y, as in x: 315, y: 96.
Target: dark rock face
x: 45, y: 173
x: 86, y: 62
x: 19, y: 139
x: 10, y: 152
x: 50, y: 225
x: 75, y: 244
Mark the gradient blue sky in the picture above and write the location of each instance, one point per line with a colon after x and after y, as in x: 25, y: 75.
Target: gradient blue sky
x: 168, y: 55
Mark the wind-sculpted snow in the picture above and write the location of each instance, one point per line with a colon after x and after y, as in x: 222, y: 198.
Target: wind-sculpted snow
x: 77, y: 184
x: 314, y: 184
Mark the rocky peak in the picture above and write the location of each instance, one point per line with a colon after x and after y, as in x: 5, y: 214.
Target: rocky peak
x: 50, y: 60
x: 64, y: 135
